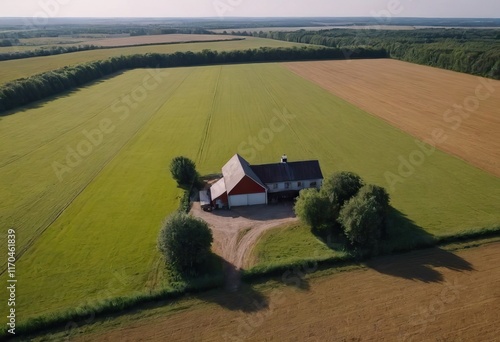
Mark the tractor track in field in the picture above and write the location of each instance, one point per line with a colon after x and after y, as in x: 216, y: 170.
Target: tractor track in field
x: 65, y: 132
x: 208, y: 124
x: 39, y: 232
x: 50, y: 140
x: 282, y: 117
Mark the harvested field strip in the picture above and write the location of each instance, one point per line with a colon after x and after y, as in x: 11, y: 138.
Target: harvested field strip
x: 158, y: 39
x: 420, y: 100
x: 14, y: 69
x: 424, y: 295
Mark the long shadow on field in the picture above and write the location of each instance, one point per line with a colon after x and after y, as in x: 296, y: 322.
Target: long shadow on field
x: 236, y: 296
x: 420, y: 265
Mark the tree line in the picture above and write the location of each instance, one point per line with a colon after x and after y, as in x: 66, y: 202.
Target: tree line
x: 45, y: 51
x: 475, y: 52
x: 13, y: 34
x: 9, y: 42
x: 37, y: 87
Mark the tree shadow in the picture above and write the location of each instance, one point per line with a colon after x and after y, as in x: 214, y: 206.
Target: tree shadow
x: 296, y: 277
x: 404, y: 235
x: 236, y: 296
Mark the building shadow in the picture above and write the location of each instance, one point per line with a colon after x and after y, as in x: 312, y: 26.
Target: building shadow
x: 422, y: 265
x: 236, y: 296
x: 281, y: 210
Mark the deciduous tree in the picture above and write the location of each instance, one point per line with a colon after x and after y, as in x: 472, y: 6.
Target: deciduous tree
x: 185, y: 242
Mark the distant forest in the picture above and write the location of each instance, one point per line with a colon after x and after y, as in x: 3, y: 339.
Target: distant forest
x: 473, y: 51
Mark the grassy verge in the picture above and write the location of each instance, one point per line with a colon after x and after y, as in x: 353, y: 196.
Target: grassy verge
x: 185, y: 204
x: 290, y: 243
x: 294, y: 247
x: 75, y: 317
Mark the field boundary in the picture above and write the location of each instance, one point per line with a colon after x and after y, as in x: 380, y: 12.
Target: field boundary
x: 103, y: 308
x: 23, y: 91
x: 262, y: 271
x: 53, y: 50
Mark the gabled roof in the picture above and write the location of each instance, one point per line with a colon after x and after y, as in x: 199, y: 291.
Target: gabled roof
x: 288, y: 172
x: 218, y: 189
x: 235, y: 170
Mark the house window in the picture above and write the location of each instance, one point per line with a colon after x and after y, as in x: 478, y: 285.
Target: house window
x: 313, y: 184
x: 299, y: 184
x: 287, y: 185
x: 275, y: 186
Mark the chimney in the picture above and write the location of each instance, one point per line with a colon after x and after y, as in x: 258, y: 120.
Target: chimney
x: 284, y: 158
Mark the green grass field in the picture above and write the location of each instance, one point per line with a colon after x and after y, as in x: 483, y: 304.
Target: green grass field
x: 104, y: 216
x: 291, y: 243
x: 14, y: 69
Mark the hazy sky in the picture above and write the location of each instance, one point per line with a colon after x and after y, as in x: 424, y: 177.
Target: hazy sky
x: 249, y: 8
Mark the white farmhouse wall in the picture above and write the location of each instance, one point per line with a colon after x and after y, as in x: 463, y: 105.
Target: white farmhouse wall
x: 306, y: 184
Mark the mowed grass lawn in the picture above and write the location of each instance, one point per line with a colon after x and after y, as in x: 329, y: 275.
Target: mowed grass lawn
x: 14, y: 69
x: 291, y: 243
x: 103, y: 243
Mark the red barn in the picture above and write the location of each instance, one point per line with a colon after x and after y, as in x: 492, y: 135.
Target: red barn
x: 240, y: 186
x: 244, y: 184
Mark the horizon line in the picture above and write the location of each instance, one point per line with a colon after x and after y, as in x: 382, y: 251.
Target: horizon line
x: 247, y: 17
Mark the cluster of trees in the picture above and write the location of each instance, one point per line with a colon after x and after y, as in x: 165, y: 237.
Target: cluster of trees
x: 347, y: 208
x: 474, y: 51
x: 184, y: 240
x: 46, y: 51
x: 37, y: 87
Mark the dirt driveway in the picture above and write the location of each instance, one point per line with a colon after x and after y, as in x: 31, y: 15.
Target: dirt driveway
x: 237, y: 230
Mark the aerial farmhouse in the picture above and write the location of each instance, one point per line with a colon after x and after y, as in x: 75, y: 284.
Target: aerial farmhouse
x: 243, y: 184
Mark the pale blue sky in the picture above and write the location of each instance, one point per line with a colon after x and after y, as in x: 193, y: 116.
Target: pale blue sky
x: 250, y: 8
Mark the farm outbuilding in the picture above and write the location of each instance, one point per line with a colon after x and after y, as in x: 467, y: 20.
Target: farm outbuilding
x: 243, y: 184
x: 239, y: 186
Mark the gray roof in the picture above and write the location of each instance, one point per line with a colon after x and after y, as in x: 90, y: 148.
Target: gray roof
x: 235, y: 170
x: 288, y: 172
x: 218, y: 189
x: 204, y: 199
